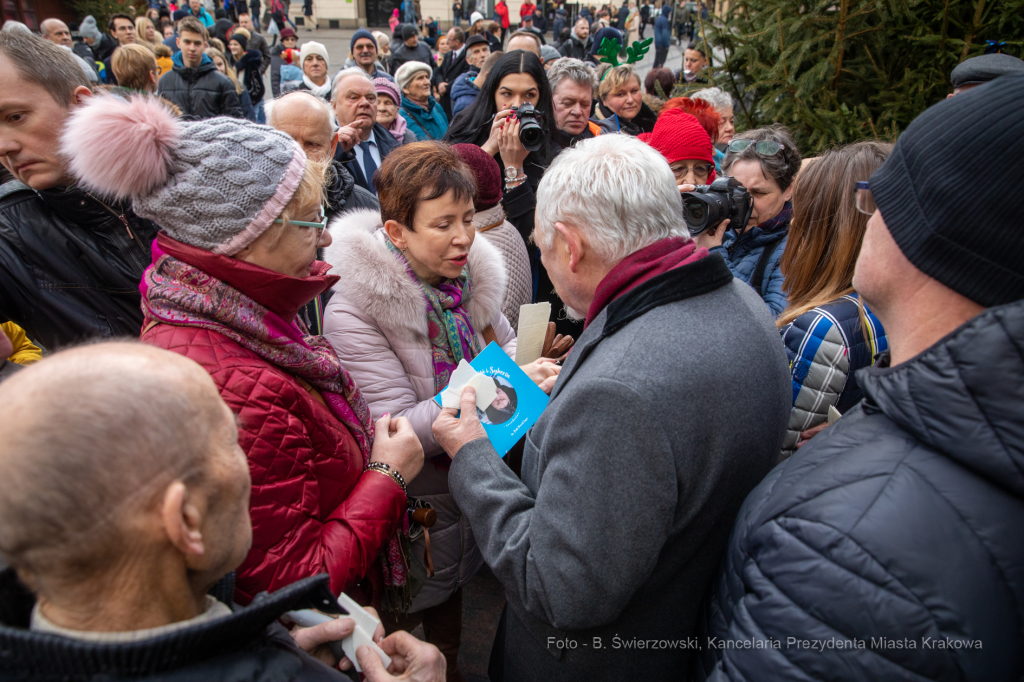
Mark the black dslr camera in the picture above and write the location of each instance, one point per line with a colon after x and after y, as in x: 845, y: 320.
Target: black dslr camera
x: 531, y: 129
x: 708, y: 205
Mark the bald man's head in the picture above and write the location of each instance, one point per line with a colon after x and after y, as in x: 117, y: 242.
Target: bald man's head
x: 92, y: 438
x: 305, y: 118
x: 56, y: 31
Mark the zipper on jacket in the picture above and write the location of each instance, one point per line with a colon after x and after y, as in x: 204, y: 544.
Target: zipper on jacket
x: 124, y: 221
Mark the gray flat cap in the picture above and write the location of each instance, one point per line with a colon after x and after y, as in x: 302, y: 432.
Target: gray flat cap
x: 984, y: 68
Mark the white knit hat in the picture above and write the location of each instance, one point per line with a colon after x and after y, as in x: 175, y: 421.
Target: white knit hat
x: 475, y: 17
x: 313, y: 47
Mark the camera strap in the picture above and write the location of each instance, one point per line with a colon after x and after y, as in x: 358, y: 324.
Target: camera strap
x: 757, y: 277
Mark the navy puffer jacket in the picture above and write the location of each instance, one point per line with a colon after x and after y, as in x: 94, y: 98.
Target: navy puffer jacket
x: 742, y: 253
x: 890, y: 547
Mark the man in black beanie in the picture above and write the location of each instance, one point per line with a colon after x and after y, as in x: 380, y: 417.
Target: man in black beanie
x: 889, y: 547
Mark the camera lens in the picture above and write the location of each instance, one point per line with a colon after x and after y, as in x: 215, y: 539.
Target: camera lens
x: 531, y: 135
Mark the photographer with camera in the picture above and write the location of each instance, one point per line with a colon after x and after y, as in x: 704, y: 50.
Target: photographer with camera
x: 762, y: 165
x: 512, y: 119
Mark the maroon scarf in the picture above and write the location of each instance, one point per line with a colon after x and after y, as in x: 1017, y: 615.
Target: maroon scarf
x: 635, y: 269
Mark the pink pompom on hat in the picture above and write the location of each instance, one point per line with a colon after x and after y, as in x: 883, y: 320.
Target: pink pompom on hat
x: 216, y: 184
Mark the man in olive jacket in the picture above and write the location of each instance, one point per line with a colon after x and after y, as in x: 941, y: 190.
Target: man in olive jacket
x: 653, y: 435
x: 194, y: 84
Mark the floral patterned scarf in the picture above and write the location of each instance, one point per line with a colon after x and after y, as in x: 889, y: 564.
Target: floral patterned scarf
x: 175, y: 292
x: 452, y: 337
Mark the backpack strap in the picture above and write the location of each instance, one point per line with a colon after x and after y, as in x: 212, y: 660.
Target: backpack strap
x: 757, y: 278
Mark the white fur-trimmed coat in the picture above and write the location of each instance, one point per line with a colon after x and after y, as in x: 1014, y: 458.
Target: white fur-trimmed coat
x: 377, y: 323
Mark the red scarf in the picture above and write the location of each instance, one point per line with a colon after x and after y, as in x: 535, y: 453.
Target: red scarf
x: 647, y: 263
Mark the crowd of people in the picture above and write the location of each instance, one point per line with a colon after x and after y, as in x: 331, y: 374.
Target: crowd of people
x: 784, y: 444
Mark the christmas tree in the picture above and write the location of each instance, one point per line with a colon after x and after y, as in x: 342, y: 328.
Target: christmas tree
x: 836, y: 71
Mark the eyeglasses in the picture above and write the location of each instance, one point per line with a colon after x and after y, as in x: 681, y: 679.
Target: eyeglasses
x: 865, y: 200
x: 764, y: 147
x: 320, y: 226
x: 699, y: 171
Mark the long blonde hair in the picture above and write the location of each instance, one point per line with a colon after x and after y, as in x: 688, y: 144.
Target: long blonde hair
x: 826, y: 230
x: 229, y: 70
x: 141, y: 24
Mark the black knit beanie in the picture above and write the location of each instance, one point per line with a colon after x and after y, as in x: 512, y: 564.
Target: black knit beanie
x: 951, y: 192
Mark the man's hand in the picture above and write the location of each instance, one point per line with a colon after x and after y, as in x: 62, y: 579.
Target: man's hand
x: 451, y: 432
x: 348, y: 137
x: 315, y: 640
x: 811, y: 433
x: 411, y: 660
x: 543, y: 372
x: 442, y: 88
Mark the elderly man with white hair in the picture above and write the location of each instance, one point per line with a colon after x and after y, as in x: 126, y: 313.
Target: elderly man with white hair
x: 122, y: 528
x: 670, y: 408
x: 363, y: 144
x: 57, y: 32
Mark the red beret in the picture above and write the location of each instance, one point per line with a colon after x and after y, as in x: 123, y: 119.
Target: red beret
x: 488, y: 175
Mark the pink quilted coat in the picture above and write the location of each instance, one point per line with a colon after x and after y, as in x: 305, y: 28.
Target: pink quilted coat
x: 377, y: 322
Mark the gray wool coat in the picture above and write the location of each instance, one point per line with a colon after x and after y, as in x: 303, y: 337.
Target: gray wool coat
x: 670, y: 409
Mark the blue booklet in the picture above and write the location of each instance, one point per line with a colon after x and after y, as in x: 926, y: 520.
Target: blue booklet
x: 518, y: 404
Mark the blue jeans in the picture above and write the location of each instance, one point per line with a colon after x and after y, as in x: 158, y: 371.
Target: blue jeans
x: 261, y: 114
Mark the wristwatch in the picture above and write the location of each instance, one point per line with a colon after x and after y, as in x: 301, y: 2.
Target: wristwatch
x: 511, y: 173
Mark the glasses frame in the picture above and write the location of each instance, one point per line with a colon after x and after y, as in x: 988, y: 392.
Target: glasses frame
x: 320, y: 226
x: 865, y: 201
x: 762, y: 147
x: 709, y: 166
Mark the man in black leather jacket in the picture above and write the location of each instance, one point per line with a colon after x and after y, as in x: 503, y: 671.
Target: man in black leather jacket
x: 194, y: 84
x: 70, y: 262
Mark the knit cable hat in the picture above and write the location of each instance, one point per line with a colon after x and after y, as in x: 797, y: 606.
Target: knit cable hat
x: 679, y: 136
x: 488, y: 177
x: 950, y: 192
x: 406, y: 72
x: 216, y: 184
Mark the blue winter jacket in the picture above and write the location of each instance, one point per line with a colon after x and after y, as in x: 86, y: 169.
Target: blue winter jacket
x: 427, y: 124
x: 464, y: 90
x: 662, y: 28
x: 889, y: 547
x: 742, y: 253
x: 826, y: 345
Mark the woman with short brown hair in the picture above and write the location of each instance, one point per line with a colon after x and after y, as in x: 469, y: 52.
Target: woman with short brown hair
x: 418, y: 293
x: 829, y: 333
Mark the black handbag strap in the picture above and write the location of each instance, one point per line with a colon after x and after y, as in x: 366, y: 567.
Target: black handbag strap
x: 757, y: 278
x: 419, y: 122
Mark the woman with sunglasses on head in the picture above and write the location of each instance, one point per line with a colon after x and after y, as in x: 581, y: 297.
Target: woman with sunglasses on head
x: 765, y: 161
x: 829, y: 333
x: 240, y: 207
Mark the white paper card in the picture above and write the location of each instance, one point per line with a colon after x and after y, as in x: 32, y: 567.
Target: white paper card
x: 463, y: 376
x: 533, y: 326
x: 366, y: 625
x: 833, y: 415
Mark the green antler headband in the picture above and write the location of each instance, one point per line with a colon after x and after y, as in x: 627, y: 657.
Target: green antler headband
x: 610, y: 48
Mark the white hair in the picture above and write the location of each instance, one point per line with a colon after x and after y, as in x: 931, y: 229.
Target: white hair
x: 345, y: 73
x: 719, y: 99
x: 617, y: 190
x: 578, y: 72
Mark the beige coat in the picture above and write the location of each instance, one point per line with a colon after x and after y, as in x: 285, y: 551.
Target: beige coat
x: 377, y: 323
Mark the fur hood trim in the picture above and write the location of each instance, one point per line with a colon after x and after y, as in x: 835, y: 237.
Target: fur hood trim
x: 378, y: 283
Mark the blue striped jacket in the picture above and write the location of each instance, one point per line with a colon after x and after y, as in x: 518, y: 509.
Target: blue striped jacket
x: 826, y: 346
